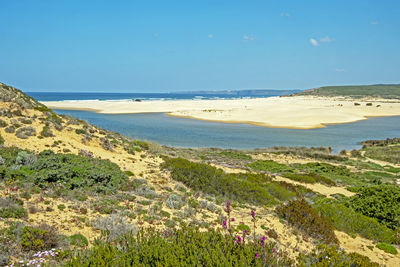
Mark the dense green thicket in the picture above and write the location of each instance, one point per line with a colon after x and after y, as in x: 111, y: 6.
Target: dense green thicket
x: 302, y: 216
x: 347, y: 220
x: 271, y: 166
x: 184, y: 247
x: 381, y: 202
x: 310, y: 178
x: 70, y: 171
x: 384, y: 153
x: 246, y: 187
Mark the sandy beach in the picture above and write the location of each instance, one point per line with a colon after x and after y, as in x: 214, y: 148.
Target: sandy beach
x: 297, y: 112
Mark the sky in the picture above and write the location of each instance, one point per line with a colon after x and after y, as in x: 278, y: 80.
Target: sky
x: 182, y: 45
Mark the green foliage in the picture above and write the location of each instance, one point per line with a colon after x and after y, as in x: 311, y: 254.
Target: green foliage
x: 271, y: 166
x: 80, y: 131
x: 310, y: 178
x: 378, y: 90
x: 387, y: 248
x: 77, y: 172
x: 340, y: 174
x: 3, y: 123
x: 301, y: 215
x: 384, y: 153
x: 347, y: 220
x: 232, y: 154
x: 61, y: 207
x: 381, y: 202
x: 40, y: 238
x: 46, y: 132
x: 78, y: 240
x: 183, y: 247
x: 1, y: 140
x: 12, y: 208
x: 246, y: 187
x: 43, y: 109
x: 324, y: 256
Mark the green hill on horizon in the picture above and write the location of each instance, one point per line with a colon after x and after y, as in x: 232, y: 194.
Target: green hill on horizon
x: 388, y: 91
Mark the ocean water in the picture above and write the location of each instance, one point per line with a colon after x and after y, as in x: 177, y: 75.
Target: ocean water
x: 60, y: 96
x: 182, y: 132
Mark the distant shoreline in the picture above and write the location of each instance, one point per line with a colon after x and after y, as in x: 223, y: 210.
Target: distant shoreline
x: 295, y: 112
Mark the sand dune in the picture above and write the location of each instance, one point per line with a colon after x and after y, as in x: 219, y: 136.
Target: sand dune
x: 299, y: 112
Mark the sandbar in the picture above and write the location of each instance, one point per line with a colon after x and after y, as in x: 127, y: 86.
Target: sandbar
x: 296, y: 112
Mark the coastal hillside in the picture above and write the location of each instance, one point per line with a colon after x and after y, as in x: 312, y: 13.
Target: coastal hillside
x: 73, y: 194
x: 387, y: 91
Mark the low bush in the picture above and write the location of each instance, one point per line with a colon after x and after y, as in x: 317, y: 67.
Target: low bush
x: 39, y: 238
x: 10, y: 208
x: 381, y: 202
x: 324, y: 255
x: 46, y: 132
x: 77, y: 172
x: 3, y: 123
x: 384, y: 153
x: 310, y: 178
x: 25, y: 132
x: 270, y: 166
x: 302, y: 216
x: 78, y: 240
x: 114, y: 226
x: 183, y: 247
x: 1, y: 140
x: 232, y: 154
x: 387, y: 248
x: 347, y: 220
x: 244, y: 187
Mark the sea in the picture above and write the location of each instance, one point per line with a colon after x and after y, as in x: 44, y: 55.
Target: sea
x: 184, y: 132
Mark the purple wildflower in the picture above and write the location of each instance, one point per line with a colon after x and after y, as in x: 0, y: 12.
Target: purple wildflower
x: 239, y: 239
x: 274, y: 250
x: 233, y: 219
x: 263, y: 238
x: 256, y: 255
x: 253, y: 214
x: 224, y: 224
x: 228, y: 206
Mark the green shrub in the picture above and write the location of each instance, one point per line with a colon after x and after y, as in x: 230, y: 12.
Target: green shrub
x: 301, y: 215
x: 61, y: 207
x: 324, y: 256
x: 46, y: 132
x: 309, y: 178
x: 347, y: 220
x: 3, y: 123
x: 246, y: 187
x: 129, y: 173
x: 11, y: 208
x: 80, y: 131
x: 381, y: 202
x: 78, y: 240
x: 184, y: 247
x: 77, y: 172
x: 1, y: 140
x: 271, y: 166
x: 40, y: 238
x: 232, y: 154
x: 387, y: 248
x: 384, y: 153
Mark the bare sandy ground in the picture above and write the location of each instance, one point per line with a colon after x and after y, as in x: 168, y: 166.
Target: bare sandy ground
x: 298, y: 112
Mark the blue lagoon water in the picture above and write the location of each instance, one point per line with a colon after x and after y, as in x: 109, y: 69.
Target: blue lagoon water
x: 182, y: 132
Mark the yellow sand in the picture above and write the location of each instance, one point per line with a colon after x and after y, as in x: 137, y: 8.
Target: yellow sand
x: 299, y: 112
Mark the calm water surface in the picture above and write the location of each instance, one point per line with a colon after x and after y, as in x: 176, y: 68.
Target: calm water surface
x: 182, y: 132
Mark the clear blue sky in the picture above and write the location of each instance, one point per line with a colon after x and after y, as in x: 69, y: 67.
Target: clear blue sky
x: 167, y: 45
